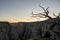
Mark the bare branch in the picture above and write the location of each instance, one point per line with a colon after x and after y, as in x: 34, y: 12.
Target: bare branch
x: 46, y: 12
x: 42, y: 8
x: 46, y: 16
x: 47, y: 8
x: 54, y: 15
x: 59, y: 14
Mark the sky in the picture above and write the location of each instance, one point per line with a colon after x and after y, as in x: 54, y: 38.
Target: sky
x: 15, y: 9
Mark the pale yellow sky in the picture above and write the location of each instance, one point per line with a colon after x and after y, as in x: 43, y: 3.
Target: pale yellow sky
x: 20, y: 20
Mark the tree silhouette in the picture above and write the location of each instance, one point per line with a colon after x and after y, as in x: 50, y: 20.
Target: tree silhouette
x: 45, y: 15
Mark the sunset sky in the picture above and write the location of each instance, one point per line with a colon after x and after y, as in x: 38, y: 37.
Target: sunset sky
x: 17, y: 9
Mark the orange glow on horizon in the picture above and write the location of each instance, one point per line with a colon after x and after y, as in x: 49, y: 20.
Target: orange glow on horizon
x: 21, y: 20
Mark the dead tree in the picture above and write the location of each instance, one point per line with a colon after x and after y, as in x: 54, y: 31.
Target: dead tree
x: 46, y: 12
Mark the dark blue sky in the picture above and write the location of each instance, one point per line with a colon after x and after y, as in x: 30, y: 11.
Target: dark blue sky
x: 23, y: 8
